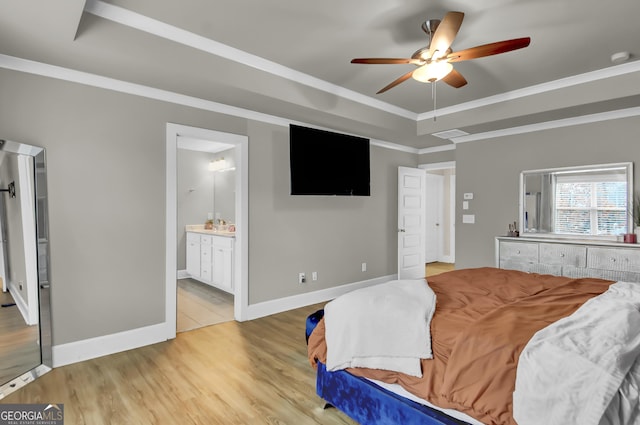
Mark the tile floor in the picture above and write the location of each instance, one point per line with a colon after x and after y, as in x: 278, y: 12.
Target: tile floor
x: 201, y: 305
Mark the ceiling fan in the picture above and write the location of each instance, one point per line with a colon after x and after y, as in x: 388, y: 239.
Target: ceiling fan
x: 434, y: 61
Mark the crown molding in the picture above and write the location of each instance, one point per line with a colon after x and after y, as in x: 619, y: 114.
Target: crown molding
x: 93, y: 80
x: 144, y: 23
x: 187, y: 38
x: 566, y: 122
x: 587, y: 77
x: 435, y: 149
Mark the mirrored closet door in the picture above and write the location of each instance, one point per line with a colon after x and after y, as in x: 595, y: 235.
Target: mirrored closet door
x: 25, y: 319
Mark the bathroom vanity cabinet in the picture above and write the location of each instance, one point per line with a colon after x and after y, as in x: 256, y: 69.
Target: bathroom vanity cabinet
x: 210, y: 259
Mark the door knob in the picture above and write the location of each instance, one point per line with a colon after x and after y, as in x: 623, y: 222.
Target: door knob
x: 400, y: 230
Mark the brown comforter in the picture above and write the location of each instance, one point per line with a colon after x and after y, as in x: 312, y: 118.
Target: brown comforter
x: 484, y: 317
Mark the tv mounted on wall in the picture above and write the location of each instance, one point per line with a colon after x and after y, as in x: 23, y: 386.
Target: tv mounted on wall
x: 327, y: 163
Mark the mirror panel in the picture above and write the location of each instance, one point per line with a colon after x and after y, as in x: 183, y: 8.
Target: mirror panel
x: 584, y: 202
x: 224, y: 194
x: 25, y: 318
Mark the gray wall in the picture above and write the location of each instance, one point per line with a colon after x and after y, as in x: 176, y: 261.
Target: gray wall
x: 106, y: 181
x: 330, y: 235
x: 444, y: 156
x: 106, y: 165
x: 491, y: 169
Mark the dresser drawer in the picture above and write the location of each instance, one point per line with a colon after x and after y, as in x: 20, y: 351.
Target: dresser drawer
x: 205, y: 239
x: 563, y: 254
x: 518, y: 252
x: 555, y: 269
x: 613, y: 259
x: 615, y: 275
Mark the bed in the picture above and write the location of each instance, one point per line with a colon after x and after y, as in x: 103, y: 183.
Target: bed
x: 486, y: 319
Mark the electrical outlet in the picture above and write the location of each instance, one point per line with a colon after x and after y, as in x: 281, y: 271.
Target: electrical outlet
x: 364, y: 267
x: 314, y: 276
x: 302, y: 278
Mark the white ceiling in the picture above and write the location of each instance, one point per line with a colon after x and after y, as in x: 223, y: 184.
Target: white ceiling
x: 290, y: 59
x: 200, y: 145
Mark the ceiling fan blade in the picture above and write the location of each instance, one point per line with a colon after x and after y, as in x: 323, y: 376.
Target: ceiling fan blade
x: 381, y: 60
x: 455, y: 79
x: 445, y: 33
x: 489, y: 49
x: 395, y: 82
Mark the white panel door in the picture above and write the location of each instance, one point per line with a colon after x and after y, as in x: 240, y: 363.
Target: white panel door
x: 434, y: 187
x: 411, y: 225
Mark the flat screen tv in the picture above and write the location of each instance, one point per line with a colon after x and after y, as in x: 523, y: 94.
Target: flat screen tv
x: 327, y: 163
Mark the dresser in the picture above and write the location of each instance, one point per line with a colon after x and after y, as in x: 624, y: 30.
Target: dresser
x: 571, y: 258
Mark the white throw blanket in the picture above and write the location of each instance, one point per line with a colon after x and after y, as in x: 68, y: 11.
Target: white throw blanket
x: 384, y: 326
x: 584, y: 369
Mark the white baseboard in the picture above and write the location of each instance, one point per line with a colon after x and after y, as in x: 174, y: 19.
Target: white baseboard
x: 92, y: 348
x: 182, y: 274
x: 21, y: 304
x: 267, y: 308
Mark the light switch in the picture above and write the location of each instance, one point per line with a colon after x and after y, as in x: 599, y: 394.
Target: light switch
x: 468, y: 195
x: 465, y: 205
x: 468, y: 218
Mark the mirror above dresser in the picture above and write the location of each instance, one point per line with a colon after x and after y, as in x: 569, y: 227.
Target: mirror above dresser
x: 593, y: 202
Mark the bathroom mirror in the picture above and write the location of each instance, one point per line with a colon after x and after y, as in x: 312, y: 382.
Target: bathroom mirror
x: 584, y: 202
x: 25, y: 319
x: 224, y: 194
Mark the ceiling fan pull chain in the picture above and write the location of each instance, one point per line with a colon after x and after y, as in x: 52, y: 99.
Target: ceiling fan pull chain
x: 434, y: 96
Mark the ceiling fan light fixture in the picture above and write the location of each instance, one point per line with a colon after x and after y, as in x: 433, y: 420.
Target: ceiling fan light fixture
x: 432, y: 72
x: 434, y: 61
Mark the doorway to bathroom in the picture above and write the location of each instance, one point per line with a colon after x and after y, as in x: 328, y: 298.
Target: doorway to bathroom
x: 207, y: 185
x: 206, y: 211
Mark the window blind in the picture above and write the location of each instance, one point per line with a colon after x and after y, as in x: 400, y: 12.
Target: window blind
x: 590, y: 205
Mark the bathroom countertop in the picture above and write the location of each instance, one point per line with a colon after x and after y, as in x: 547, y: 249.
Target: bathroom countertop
x: 199, y: 228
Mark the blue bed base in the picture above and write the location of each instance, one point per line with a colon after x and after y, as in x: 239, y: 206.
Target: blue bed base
x: 368, y: 403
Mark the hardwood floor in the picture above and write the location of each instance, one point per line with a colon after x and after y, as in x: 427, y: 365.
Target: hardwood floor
x: 202, y: 305
x: 437, y: 268
x: 252, y: 372
x: 19, y: 349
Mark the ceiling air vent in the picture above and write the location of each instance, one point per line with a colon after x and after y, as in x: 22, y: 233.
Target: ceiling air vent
x: 450, y: 134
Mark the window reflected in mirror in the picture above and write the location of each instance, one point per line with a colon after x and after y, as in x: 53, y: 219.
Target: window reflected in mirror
x: 591, y: 202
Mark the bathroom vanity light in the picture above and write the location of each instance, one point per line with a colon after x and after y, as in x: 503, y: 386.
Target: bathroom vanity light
x: 219, y: 165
